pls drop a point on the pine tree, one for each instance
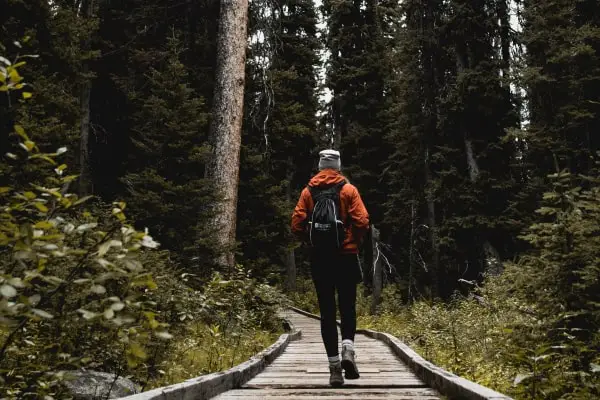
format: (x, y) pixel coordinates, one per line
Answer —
(477, 110)
(165, 181)
(450, 170)
(55, 34)
(279, 135)
(359, 61)
(133, 35)
(411, 131)
(562, 80)
(559, 277)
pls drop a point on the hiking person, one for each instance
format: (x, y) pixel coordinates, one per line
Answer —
(330, 216)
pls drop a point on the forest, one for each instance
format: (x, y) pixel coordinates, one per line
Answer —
(146, 195)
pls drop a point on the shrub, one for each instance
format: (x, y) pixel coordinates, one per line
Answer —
(74, 291)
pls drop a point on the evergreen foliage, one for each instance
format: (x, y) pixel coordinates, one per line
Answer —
(280, 131)
(559, 276)
(358, 39)
(165, 171)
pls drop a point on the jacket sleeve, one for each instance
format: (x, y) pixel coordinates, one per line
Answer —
(359, 215)
(300, 214)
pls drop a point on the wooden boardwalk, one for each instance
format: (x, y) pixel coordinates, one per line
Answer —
(302, 372)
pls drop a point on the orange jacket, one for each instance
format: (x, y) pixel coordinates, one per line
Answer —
(352, 209)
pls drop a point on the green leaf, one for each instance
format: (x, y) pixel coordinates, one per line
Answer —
(8, 291)
(43, 225)
(42, 313)
(16, 282)
(87, 314)
(82, 200)
(520, 378)
(98, 289)
(41, 207)
(163, 335)
(21, 132)
(137, 350)
(109, 313)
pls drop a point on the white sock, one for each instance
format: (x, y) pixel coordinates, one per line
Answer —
(349, 343)
(334, 360)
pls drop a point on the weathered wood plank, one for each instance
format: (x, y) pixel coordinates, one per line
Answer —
(302, 372)
(320, 392)
(324, 383)
(351, 394)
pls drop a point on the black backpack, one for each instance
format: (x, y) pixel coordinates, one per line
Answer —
(325, 226)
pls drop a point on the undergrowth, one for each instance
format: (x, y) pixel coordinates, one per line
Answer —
(205, 349)
(470, 337)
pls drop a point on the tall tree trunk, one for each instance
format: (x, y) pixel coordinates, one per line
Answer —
(430, 131)
(85, 174)
(226, 126)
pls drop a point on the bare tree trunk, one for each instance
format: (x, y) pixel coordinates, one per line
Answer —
(431, 86)
(471, 162)
(226, 126)
(433, 234)
(367, 271)
(85, 174)
(377, 272)
(289, 257)
(411, 250)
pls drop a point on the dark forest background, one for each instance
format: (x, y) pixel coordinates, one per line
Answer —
(470, 128)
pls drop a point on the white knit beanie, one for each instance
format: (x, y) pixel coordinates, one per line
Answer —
(329, 159)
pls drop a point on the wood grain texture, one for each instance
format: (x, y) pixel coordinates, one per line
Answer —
(226, 125)
(302, 372)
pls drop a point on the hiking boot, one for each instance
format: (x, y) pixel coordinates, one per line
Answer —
(348, 363)
(335, 375)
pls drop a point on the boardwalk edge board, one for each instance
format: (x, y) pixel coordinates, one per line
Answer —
(207, 386)
(438, 378)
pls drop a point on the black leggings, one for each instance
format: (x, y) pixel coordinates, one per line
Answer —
(331, 274)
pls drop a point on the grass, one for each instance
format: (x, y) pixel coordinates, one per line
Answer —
(205, 349)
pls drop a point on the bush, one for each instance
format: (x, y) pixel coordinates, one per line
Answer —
(470, 337)
(237, 317)
(62, 267)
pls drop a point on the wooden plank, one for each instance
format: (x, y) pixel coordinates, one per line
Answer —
(291, 375)
(302, 372)
(337, 396)
(324, 383)
(324, 380)
(335, 392)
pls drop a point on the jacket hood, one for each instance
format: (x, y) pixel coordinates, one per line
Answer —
(326, 177)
